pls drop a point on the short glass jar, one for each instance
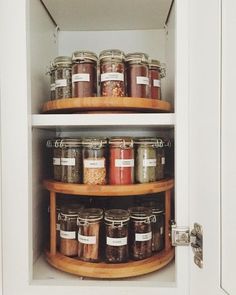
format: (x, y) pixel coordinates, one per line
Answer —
(71, 160)
(112, 71)
(55, 144)
(62, 77)
(160, 171)
(117, 229)
(94, 161)
(140, 232)
(84, 74)
(155, 79)
(52, 81)
(121, 160)
(137, 75)
(89, 234)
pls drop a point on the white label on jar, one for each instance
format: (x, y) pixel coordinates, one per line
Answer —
(124, 163)
(143, 237)
(117, 241)
(58, 226)
(61, 83)
(90, 240)
(70, 235)
(163, 160)
(112, 77)
(156, 83)
(68, 161)
(149, 162)
(80, 78)
(94, 163)
(161, 230)
(142, 80)
(53, 86)
(56, 161)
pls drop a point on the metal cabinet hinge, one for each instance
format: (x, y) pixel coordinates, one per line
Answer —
(181, 236)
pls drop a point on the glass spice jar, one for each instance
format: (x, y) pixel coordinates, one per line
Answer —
(62, 77)
(117, 227)
(89, 234)
(121, 160)
(84, 74)
(52, 81)
(140, 232)
(137, 75)
(112, 71)
(94, 161)
(160, 169)
(155, 79)
(56, 157)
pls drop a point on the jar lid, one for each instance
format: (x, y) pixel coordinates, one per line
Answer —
(116, 215)
(140, 213)
(155, 142)
(156, 207)
(55, 142)
(70, 210)
(62, 60)
(121, 142)
(90, 214)
(94, 142)
(83, 55)
(154, 63)
(137, 58)
(70, 142)
(112, 54)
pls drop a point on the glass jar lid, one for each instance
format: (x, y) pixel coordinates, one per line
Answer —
(62, 61)
(70, 142)
(117, 215)
(156, 207)
(121, 142)
(90, 214)
(94, 142)
(154, 63)
(140, 213)
(112, 54)
(78, 56)
(153, 141)
(137, 58)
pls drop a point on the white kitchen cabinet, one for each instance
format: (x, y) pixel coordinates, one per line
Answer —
(191, 46)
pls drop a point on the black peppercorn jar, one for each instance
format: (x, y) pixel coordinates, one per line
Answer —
(62, 77)
(112, 70)
(89, 234)
(84, 74)
(140, 232)
(155, 79)
(117, 228)
(137, 75)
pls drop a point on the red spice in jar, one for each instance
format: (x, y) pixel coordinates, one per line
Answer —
(154, 78)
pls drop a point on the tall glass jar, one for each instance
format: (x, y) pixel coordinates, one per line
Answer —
(71, 160)
(89, 234)
(112, 71)
(117, 227)
(140, 232)
(52, 81)
(121, 161)
(160, 171)
(155, 79)
(84, 74)
(62, 77)
(137, 75)
(55, 144)
(94, 161)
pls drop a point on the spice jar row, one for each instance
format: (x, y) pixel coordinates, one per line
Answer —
(113, 74)
(114, 161)
(114, 235)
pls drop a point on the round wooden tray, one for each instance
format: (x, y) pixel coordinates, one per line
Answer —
(110, 271)
(106, 104)
(109, 190)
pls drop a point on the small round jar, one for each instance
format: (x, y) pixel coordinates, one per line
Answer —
(155, 79)
(146, 160)
(84, 74)
(112, 71)
(52, 81)
(121, 161)
(62, 77)
(140, 232)
(94, 161)
(89, 234)
(55, 144)
(71, 160)
(117, 228)
(137, 75)
(160, 171)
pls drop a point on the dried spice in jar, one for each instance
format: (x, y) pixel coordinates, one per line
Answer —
(160, 171)
(94, 161)
(52, 81)
(84, 74)
(112, 71)
(155, 79)
(71, 160)
(56, 157)
(62, 77)
(137, 75)
(117, 227)
(89, 234)
(140, 232)
(121, 161)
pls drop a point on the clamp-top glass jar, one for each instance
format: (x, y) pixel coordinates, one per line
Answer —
(84, 74)
(137, 75)
(89, 234)
(112, 70)
(160, 171)
(94, 161)
(116, 249)
(52, 81)
(121, 161)
(155, 79)
(55, 144)
(62, 77)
